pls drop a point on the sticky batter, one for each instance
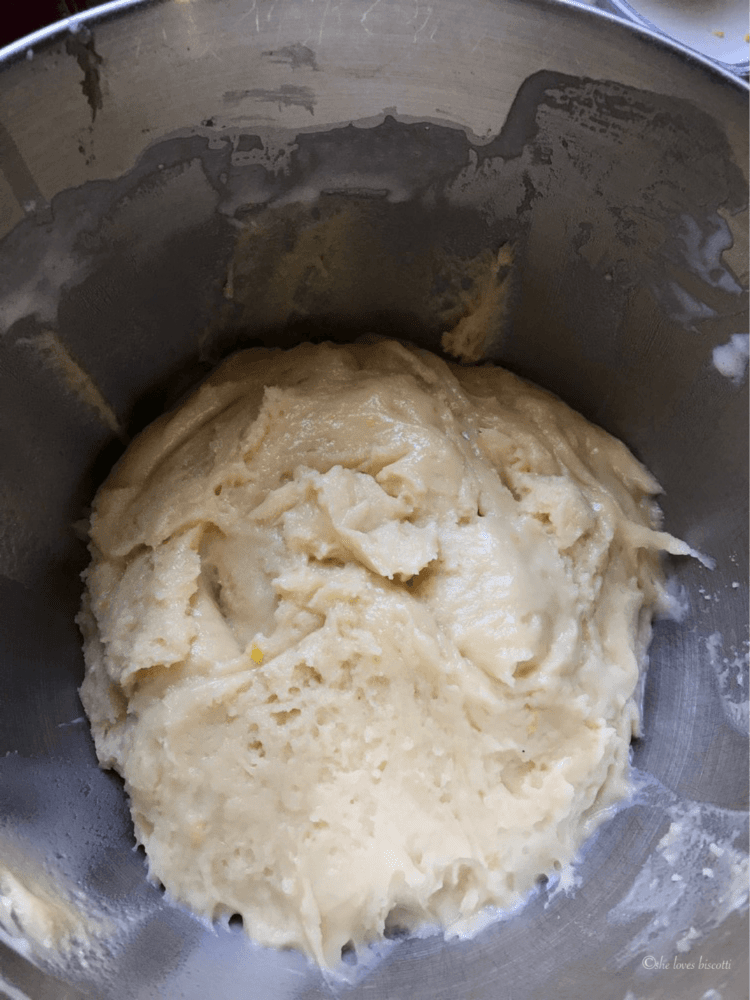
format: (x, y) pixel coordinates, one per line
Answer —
(363, 632)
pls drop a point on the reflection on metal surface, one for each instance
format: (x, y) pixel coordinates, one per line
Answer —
(55, 354)
(16, 171)
(717, 30)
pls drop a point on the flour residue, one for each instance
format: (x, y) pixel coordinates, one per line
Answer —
(566, 882)
(731, 669)
(56, 838)
(691, 882)
(704, 247)
(675, 601)
(43, 915)
(731, 359)
(39, 294)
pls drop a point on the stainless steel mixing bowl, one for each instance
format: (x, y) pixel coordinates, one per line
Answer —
(180, 178)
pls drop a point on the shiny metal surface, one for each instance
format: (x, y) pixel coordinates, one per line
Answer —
(716, 31)
(171, 176)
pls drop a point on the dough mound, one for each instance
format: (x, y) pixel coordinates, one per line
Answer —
(363, 634)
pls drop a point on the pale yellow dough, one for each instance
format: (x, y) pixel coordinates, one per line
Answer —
(447, 577)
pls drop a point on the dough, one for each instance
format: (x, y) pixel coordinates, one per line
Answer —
(363, 632)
